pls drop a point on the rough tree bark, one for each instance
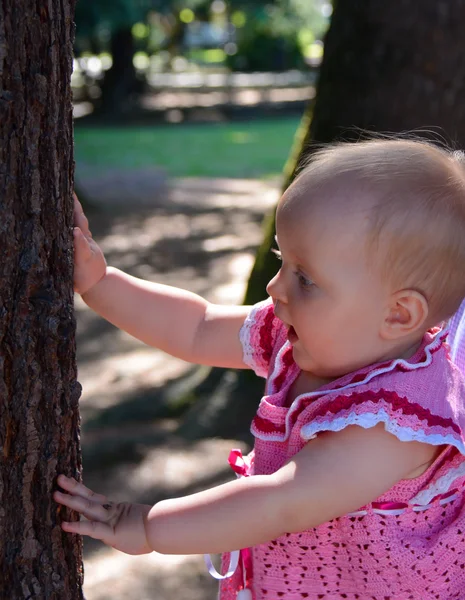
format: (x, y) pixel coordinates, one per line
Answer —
(39, 419)
(387, 67)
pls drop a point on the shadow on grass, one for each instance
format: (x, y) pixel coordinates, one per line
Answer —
(143, 405)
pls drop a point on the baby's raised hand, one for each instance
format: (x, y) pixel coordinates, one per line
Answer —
(120, 525)
(89, 262)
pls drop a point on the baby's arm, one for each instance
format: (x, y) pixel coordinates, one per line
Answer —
(334, 474)
(171, 319)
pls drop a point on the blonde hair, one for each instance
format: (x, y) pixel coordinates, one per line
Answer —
(414, 193)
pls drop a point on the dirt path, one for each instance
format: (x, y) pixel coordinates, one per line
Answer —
(198, 234)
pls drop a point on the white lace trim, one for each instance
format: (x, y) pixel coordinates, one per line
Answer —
(429, 348)
(249, 351)
(367, 420)
(441, 486)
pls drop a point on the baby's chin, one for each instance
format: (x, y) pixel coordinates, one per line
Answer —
(331, 373)
(326, 374)
(317, 377)
(314, 369)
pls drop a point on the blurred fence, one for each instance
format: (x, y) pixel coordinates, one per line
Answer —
(187, 90)
(241, 89)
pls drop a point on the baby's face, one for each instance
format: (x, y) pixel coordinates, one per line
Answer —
(325, 292)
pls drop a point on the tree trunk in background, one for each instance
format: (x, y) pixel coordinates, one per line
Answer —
(39, 419)
(392, 66)
(120, 86)
(387, 67)
(266, 265)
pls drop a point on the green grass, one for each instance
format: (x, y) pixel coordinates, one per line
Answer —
(248, 149)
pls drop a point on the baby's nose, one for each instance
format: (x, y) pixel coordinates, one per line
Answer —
(271, 285)
(275, 289)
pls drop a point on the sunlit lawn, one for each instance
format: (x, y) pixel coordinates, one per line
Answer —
(245, 149)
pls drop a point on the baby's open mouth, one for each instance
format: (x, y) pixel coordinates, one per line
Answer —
(292, 335)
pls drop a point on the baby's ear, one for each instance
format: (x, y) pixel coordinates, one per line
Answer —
(406, 314)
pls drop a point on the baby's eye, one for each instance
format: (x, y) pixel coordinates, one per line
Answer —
(304, 282)
(277, 253)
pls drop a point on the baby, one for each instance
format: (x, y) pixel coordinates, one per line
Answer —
(356, 486)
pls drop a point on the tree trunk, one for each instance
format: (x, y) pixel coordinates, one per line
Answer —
(39, 419)
(120, 88)
(266, 265)
(387, 67)
(392, 66)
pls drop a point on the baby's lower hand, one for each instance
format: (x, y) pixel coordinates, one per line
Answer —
(89, 262)
(120, 525)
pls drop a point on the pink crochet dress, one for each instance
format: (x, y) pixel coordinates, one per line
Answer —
(409, 544)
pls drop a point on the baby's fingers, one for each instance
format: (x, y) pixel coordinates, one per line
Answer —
(82, 249)
(93, 529)
(84, 506)
(80, 219)
(76, 488)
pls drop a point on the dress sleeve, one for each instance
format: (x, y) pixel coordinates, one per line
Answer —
(417, 399)
(432, 416)
(457, 338)
(258, 337)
